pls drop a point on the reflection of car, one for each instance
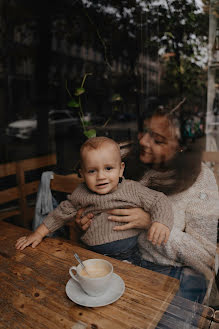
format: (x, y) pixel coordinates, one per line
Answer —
(22, 128)
(60, 119)
(124, 117)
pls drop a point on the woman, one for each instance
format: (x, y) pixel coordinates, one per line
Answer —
(166, 163)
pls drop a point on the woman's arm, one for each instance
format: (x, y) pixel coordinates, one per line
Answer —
(196, 246)
(185, 249)
(202, 212)
(132, 217)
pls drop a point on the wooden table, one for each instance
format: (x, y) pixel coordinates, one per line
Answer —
(32, 293)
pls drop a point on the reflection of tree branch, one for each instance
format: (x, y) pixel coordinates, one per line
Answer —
(178, 105)
(168, 5)
(101, 40)
(171, 15)
(66, 86)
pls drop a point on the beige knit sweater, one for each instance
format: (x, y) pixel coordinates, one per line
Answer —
(128, 194)
(193, 239)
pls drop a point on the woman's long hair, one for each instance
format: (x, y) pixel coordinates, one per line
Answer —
(174, 176)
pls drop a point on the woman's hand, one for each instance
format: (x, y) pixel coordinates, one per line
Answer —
(133, 217)
(83, 222)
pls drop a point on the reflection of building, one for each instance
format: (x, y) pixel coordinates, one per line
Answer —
(151, 73)
(212, 115)
(68, 61)
(145, 67)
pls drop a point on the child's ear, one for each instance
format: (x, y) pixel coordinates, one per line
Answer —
(122, 167)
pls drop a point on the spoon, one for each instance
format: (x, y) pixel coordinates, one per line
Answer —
(80, 262)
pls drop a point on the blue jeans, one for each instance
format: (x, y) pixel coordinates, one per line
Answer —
(126, 249)
(193, 287)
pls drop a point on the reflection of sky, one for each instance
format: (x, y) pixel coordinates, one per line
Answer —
(111, 10)
(199, 3)
(163, 2)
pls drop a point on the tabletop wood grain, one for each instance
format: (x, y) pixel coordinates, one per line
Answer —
(33, 284)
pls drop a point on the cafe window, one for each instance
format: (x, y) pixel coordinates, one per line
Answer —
(70, 70)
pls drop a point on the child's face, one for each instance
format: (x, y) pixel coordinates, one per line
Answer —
(101, 168)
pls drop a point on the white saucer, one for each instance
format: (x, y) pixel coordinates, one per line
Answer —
(77, 294)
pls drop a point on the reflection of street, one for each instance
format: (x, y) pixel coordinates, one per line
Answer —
(68, 146)
(121, 131)
(14, 149)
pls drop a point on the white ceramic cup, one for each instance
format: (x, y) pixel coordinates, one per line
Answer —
(98, 281)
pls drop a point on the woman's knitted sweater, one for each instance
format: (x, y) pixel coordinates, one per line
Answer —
(193, 239)
(129, 194)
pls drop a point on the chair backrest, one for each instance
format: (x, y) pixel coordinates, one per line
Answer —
(66, 185)
(212, 159)
(21, 187)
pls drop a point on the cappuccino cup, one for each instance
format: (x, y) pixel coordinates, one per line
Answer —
(95, 280)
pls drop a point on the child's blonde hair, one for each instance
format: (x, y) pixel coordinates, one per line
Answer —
(97, 142)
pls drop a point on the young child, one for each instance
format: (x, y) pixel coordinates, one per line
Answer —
(105, 188)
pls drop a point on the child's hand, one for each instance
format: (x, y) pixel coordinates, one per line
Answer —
(158, 233)
(33, 239)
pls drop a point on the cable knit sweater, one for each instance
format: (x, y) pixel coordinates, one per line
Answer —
(128, 194)
(193, 239)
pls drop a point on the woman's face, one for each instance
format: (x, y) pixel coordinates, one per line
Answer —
(158, 142)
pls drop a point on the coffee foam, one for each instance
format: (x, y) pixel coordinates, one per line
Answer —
(95, 271)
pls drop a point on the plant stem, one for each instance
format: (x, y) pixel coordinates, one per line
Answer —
(84, 79)
(66, 86)
(106, 123)
(101, 40)
(81, 114)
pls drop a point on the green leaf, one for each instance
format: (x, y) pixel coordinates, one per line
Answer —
(73, 103)
(169, 34)
(87, 123)
(115, 109)
(90, 133)
(79, 91)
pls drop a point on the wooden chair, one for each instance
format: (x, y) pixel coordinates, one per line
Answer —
(14, 200)
(66, 185)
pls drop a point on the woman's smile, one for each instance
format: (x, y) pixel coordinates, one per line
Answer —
(145, 151)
